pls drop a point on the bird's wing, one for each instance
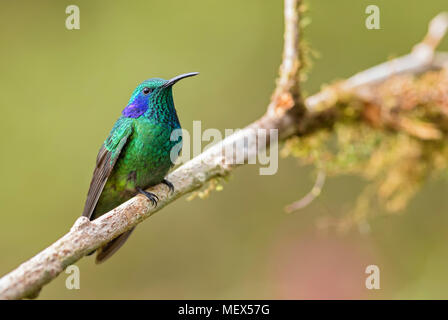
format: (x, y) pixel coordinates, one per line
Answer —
(105, 161)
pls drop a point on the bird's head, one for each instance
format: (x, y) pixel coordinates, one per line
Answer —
(152, 93)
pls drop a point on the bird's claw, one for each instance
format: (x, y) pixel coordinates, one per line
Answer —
(151, 196)
(169, 184)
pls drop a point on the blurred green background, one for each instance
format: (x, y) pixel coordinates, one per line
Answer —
(62, 90)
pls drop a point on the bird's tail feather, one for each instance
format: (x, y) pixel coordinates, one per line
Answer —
(106, 251)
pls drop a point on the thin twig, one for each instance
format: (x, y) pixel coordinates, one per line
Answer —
(422, 58)
(310, 196)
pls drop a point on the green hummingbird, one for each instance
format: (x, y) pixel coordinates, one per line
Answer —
(136, 155)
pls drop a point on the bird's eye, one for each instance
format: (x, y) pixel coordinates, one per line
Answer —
(147, 90)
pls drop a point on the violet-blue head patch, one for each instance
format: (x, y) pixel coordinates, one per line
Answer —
(152, 97)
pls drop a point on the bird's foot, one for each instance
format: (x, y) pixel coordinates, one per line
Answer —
(151, 196)
(169, 184)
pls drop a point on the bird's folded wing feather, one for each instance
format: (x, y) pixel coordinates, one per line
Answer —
(105, 161)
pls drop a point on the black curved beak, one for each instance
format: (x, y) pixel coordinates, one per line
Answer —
(179, 77)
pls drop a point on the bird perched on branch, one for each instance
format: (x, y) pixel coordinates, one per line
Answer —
(136, 155)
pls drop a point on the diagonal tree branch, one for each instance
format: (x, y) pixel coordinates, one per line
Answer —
(286, 113)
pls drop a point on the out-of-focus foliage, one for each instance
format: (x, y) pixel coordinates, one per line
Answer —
(396, 160)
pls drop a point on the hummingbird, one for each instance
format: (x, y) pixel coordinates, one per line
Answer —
(136, 154)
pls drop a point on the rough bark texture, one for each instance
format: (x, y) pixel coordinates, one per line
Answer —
(287, 113)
